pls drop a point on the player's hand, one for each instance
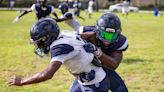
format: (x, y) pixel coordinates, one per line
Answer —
(16, 19)
(15, 81)
(91, 48)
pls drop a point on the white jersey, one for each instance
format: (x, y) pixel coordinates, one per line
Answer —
(72, 22)
(69, 50)
(125, 7)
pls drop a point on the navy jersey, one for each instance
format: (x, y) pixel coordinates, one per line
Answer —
(68, 15)
(42, 12)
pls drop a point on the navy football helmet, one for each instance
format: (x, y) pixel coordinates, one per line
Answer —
(43, 33)
(108, 29)
(42, 2)
(64, 7)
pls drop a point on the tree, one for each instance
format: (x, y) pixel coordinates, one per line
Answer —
(156, 2)
(1, 2)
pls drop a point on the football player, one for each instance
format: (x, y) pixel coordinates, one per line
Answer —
(67, 49)
(68, 17)
(77, 7)
(125, 8)
(41, 9)
(107, 36)
(90, 8)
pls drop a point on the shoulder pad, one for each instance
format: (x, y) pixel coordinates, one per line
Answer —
(61, 49)
(68, 15)
(123, 43)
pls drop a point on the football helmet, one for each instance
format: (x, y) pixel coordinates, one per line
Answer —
(63, 7)
(42, 2)
(43, 33)
(108, 28)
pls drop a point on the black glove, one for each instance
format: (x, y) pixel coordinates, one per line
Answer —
(91, 48)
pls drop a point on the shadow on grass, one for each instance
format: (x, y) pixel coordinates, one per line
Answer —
(138, 60)
(133, 60)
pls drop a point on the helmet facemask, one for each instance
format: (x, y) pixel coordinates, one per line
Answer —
(107, 35)
(40, 48)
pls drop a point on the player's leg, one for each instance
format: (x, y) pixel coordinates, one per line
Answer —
(103, 86)
(116, 83)
(78, 15)
(75, 87)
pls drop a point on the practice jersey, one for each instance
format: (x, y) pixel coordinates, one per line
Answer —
(120, 45)
(68, 49)
(72, 22)
(42, 12)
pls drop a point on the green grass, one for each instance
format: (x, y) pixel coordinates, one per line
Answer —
(142, 67)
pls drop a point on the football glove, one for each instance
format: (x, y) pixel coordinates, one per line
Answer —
(91, 48)
(16, 19)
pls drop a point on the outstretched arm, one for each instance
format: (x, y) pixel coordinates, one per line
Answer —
(22, 14)
(54, 13)
(39, 77)
(61, 19)
(25, 12)
(66, 16)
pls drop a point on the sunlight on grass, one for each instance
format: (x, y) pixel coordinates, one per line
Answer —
(142, 66)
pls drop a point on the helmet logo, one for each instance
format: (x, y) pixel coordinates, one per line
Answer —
(101, 22)
(110, 30)
(44, 8)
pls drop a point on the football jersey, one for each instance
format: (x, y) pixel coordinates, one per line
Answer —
(72, 22)
(42, 12)
(68, 49)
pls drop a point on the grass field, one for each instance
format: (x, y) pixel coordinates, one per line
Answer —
(142, 67)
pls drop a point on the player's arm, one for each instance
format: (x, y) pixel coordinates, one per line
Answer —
(111, 61)
(39, 77)
(61, 19)
(25, 12)
(67, 16)
(89, 37)
(32, 8)
(22, 14)
(53, 12)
